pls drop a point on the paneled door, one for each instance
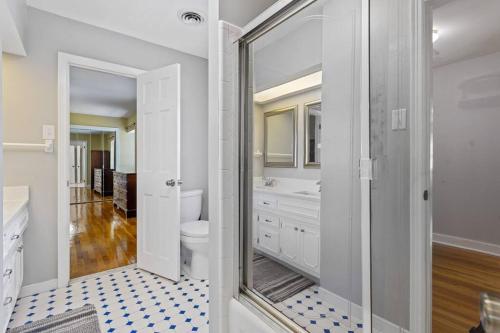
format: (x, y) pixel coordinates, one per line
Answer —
(289, 240)
(310, 247)
(158, 171)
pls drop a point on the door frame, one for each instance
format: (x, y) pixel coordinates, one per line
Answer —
(65, 62)
(420, 117)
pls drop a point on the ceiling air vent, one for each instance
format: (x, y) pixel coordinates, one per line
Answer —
(191, 18)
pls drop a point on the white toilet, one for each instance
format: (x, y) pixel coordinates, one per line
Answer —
(194, 236)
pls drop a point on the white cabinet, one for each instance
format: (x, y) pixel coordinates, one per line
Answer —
(288, 229)
(12, 263)
(289, 240)
(310, 248)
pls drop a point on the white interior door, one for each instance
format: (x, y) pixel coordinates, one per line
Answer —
(158, 171)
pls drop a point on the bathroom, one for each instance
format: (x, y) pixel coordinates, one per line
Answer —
(283, 175)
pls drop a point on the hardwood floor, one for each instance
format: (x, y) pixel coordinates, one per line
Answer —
(100, 238)
(83, 195)
(459, 276)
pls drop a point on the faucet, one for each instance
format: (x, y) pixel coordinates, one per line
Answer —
(268, 181)
(319, 184)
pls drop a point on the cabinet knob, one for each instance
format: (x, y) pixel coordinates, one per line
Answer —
(7, 301)
(301, 230)
(296, 228)
(15, 237)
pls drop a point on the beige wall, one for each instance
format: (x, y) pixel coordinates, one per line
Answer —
(30, 95)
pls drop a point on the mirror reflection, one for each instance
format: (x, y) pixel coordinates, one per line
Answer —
(280, 129)
(301, 222)
(312, 134)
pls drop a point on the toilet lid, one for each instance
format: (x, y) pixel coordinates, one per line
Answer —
(195, 228)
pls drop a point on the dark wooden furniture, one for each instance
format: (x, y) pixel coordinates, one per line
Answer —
(100, 159)
(125, 192)
(103, 181)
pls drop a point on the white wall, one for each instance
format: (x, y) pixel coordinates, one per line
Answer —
(223, 164)
(299, 172)
(1, 163)
(240, 12)
(284, 59)
(466, 185)
(30, 87)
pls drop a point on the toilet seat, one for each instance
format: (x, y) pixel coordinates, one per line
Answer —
(195, 229)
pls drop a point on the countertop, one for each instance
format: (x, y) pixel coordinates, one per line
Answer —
(15, 199)
(307, 194)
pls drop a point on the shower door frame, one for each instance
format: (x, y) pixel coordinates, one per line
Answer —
(244, 294)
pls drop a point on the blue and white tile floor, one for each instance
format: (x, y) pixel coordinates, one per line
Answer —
(315, 315)
(128, 300)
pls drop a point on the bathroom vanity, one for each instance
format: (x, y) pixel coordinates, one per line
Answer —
(15, 221)
(287, 224)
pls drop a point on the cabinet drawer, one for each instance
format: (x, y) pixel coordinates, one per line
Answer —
(268, 219)
(14, 231)
(300, 208)
(269, 239)
(265, 202)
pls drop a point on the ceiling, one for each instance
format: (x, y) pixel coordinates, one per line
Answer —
(241, 12)
(102, 94)
(467, 29)
(150, 20)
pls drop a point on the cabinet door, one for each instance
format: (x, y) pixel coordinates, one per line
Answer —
(289, 240)
(255, 230)
(19, 266)
(310, 247)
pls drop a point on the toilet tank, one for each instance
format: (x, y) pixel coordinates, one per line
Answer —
(191, 205)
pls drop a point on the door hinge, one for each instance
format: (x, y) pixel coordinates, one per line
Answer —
(258, 240)
(366, 168)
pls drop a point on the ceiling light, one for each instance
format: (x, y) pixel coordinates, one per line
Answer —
(435, 35)
(292, 87)
(190, 17)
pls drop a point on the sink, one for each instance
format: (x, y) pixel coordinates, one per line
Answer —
(311, 193)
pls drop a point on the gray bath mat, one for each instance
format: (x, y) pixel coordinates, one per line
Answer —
(81, 320)
(275, 281)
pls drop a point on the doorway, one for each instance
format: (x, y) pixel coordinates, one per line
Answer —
(102, 167)
(466, 113)
(130, 187)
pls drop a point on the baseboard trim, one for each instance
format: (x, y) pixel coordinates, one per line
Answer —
(468, 244)
(380, 325)
(37, 288)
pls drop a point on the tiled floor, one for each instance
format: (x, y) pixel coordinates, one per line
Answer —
(315, 315)
(129, 300)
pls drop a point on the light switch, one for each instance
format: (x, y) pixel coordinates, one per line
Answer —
(395, 120)
(49, 132)
(402, 119)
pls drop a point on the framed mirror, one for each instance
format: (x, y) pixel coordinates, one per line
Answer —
(312, 134)
(280, 138)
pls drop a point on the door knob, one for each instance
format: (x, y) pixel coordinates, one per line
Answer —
(173, 182)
